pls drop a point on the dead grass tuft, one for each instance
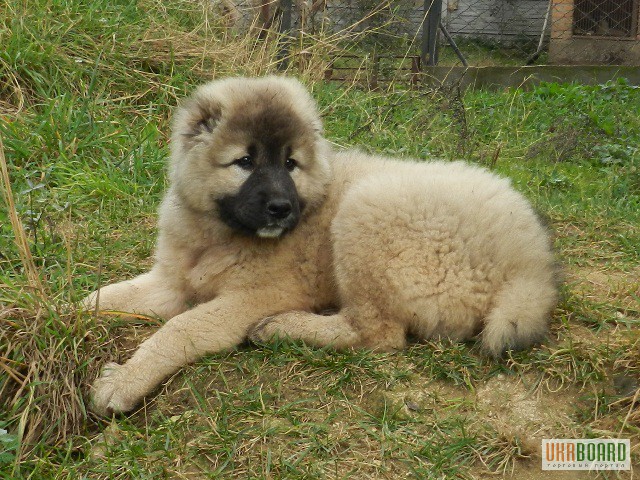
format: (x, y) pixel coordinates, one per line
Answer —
(12, 99)
(45, 350)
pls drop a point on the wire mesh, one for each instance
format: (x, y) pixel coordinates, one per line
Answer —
(485, 32)
(605, 18)
(600, 32)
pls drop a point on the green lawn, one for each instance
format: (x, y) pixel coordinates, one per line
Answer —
(86, 91)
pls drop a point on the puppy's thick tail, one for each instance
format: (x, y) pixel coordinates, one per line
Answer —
(520, 314)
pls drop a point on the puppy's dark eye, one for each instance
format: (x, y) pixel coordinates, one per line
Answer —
(290, 164)
(246, 162)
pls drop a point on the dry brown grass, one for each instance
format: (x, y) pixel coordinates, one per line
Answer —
(11, 97)
(46, 367)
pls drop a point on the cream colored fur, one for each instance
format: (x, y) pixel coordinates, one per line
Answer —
(432, 249)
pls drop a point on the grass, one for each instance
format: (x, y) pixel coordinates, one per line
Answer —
(85, 97)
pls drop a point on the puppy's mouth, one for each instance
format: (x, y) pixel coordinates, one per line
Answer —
(278, 228)
(270, 232)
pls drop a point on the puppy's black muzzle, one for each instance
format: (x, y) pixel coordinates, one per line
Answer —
(267, 199)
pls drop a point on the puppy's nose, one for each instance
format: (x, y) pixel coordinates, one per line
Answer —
(279, 208)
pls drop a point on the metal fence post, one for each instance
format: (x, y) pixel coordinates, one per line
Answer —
(430, 26)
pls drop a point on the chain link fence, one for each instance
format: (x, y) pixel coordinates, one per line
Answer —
(408, 35)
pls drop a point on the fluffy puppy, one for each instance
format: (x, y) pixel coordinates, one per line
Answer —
(264, 226)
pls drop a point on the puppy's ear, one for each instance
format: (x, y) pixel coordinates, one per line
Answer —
(195, 119)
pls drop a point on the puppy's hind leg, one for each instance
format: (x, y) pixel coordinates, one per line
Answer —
(338, 331)
(313, 329)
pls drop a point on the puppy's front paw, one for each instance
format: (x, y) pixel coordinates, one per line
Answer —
(113, 392)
